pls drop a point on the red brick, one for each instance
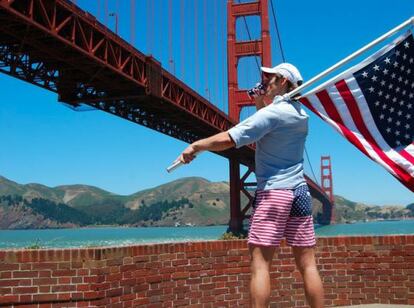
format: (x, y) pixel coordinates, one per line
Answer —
(64, 288)
(355, 270)
(25, 274)
(61, 273)
(9, 299)
(45, 281)
(180, 275)
(9, 282)
(154, 279)
(44, 297)
(49, 265)
(64, 280)
(24, 290)
(5, 291)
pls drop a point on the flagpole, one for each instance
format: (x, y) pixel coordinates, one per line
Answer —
(350, 57)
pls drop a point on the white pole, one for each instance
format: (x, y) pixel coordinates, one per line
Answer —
(177, 163)
(174, 166)
(349, 58)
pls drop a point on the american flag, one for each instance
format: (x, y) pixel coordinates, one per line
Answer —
(372, 105)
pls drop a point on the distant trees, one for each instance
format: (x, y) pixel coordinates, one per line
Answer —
(411, 208)
(344, 213)
(156, 210)
(58, 211)
(55, 211)
(11, 200)
(108, 211)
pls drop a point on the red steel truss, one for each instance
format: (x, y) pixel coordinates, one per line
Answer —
(238, 98)
(327, 186)
(55, 45)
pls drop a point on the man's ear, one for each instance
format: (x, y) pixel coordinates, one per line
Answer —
(273, 79)
(285, 82)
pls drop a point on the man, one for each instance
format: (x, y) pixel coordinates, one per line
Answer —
(282, 205)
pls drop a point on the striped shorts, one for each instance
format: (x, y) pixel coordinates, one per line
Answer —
(279, 213)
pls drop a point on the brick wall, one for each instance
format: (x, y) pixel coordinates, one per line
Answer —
(355, 270)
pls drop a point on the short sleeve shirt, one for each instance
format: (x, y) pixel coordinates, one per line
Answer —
(280, 131)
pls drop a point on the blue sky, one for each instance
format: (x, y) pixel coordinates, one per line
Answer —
(46, 142)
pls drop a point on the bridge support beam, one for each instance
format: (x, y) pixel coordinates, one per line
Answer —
(236, 218)
(239, 188)
(327, 186)
(238, 98)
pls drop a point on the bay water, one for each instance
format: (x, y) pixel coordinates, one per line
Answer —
(122, 236)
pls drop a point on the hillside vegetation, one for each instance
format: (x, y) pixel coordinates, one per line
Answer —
(187, 201)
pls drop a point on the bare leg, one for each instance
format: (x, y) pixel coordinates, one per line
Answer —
(305, 261)
(261, 259)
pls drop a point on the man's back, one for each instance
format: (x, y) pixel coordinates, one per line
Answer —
(279, 154)
(280, 131)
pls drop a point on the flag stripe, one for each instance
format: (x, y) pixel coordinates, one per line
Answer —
(307, 103)
(359, 141)
(333, 113)
(359, 122)
(314, 105)
(328, 112)
(348, 122)
(410, 149)
(407, 156)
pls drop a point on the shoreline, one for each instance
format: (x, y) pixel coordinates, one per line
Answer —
(200, 226)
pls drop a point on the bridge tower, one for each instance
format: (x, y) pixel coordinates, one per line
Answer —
(327, 186)
(238, 98)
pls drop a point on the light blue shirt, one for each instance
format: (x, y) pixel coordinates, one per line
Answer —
(280, 131)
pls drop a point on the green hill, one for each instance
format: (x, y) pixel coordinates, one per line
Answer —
(193, 200)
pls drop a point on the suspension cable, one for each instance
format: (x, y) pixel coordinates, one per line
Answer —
(310, 165)
(277, 31)
(284, 60)
(182, 38)
(170, 38)
(132, 22)
(98, 13)
(224, 77)
(215, 44)
(196, 46)
(206, 87)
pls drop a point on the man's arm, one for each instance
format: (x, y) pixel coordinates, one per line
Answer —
(219, 142)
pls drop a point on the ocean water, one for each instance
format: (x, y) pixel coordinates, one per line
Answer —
(90, 237)
(106, 236)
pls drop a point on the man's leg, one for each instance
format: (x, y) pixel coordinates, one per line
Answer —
(267, 225)
(305, 261)
(261, 259)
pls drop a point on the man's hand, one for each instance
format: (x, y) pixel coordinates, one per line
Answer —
(187, 155)
(218, 142)
(257, 91)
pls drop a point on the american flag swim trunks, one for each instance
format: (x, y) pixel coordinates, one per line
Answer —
(279, 213)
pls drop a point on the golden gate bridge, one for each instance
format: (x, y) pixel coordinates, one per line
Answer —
(56, 45)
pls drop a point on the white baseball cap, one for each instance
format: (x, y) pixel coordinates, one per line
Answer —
(287, 70)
